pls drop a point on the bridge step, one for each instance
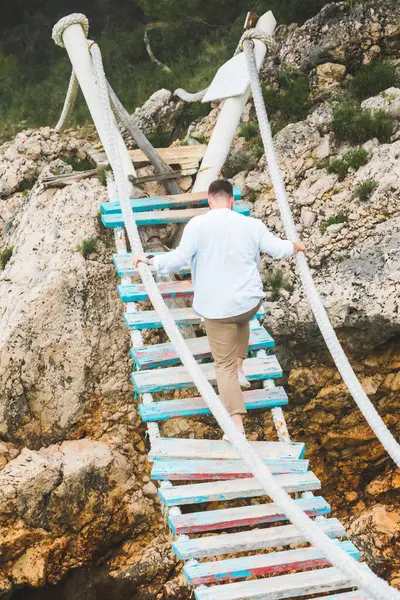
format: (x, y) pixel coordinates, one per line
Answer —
(276, 588)
(177, 378)
(160, 355)
(169, 289)
(254, 539)
(160, 202)
(253, 399)
(355, 595)
(163, 217)
(148, 319)
(258, 565)
(197, 470)
(218, 491)
(124, 265)
(243, 516)
(218, 449)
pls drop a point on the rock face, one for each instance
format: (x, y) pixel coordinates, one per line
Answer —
(159, 113)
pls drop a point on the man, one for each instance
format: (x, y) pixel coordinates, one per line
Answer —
(223, 248)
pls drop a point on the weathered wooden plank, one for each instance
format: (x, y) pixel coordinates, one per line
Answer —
(162, 355)
(218, 449)
(124, 265)
(163, 217)
(160, 202)
(175, 155)
(137, 292)
(276, 588)
(243, 516)
(198, 470)
(260, 565)
(177, 378)
(148, 319)
(354, 595)
(253, 539)
(169, 409)
(218, 491)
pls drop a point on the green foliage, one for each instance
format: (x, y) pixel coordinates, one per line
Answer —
(353, 159)
(102, 177)
(237, 161)
(351, 123)
(249, 130)
(334, 220)
(276, 282)
(365, 189)
(88, 246)
(77, 164)
(26, 185)
(289, 103)
(373, 78)
(5, 256)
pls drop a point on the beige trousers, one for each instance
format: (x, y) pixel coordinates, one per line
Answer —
(229, 340)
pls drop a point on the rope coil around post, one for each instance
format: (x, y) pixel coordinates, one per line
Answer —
(358, 574)
(65, 22)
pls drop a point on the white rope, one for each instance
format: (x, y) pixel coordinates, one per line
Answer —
(69, 102)
(365, 405)
(358, 574)
(63, 24)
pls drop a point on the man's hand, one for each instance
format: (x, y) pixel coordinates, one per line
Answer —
(299, 247)
(141, 257)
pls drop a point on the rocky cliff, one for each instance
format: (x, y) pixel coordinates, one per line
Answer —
(76, 502)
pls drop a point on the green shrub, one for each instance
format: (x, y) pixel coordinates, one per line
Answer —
(249, 130)
(289, 103)
(334, 220)
(339, 167)
(353, 159)
(277, 281)
(77, 164)
(88, 246)
(366, 189)
(5, 256)
(373, 78)
(26, 185)
(102, 177)
(351, 123)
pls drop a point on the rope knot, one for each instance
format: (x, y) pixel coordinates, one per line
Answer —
(257, 34)
(65, 22)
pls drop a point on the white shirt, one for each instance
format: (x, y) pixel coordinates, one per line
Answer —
(223, 248)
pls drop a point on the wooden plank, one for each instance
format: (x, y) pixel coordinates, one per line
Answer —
(172, 156)
(260, 565)
(218, 491)
(253, 539)
(124, 265)
(276, 588)
(177, 378)
(162, 355)
(218, 449)
(198, 470)
(137, 292)
(161, 202)
(243, 516)
(148, 319)
(169, 409)
(354, 595)
(164, 217)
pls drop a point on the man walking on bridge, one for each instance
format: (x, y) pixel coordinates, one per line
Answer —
(223, 248)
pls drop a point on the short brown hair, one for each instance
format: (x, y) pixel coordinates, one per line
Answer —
(221, 186)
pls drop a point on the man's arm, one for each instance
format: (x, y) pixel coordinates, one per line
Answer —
(275, 246)
(174, 260)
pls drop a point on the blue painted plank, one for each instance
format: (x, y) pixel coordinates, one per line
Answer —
(258, 565)
(162, 355)
(250, 540)
(169, 409)
(137, 292)
(198, 470)
(148, 319)
(220, 491)
(242, 516)
(161, 202)
(124, 265)
(177, 378)
(164, 217)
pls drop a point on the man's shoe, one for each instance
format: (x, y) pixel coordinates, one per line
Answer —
(243, 381)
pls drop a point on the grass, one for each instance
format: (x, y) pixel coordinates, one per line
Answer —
(353, 159)
(26, 185)
(352, 124)
(102, 177)
(377, 76)
(88, 246)
(334, 220)
(249, 131)
(365, 189)
(5, 256)
(77, 164)
(290, 101)
(276, 282)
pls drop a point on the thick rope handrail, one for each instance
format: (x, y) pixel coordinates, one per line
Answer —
(358, 574)
(69, 102)
(360, 397)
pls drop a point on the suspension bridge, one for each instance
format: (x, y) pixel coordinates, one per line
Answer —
(272, 537)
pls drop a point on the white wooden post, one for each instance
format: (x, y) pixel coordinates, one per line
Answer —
(229, 119)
